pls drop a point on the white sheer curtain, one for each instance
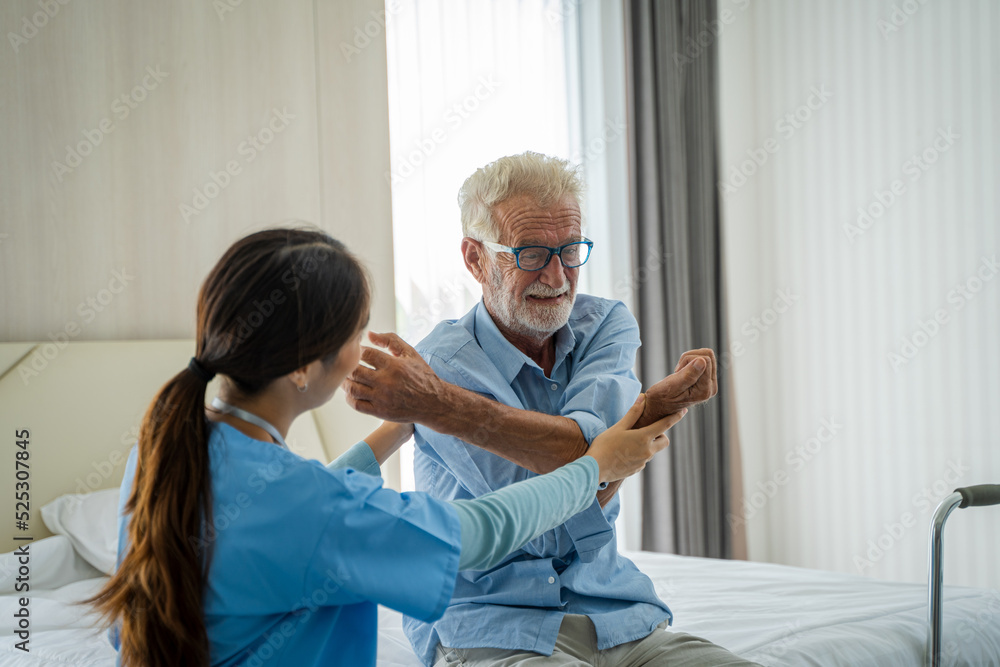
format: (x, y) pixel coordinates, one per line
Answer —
(468, 83)
(859, 187)
(473, 81)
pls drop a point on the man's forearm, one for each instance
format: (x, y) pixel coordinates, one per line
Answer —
(400, 386)
(539, 442)
(656, 409)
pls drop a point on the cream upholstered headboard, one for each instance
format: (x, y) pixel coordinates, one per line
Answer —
(82, 405)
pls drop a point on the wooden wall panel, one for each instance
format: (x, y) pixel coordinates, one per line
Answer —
(116, 112)
(353, 113)
(249, 116)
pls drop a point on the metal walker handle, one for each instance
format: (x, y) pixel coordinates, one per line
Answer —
(969, 496)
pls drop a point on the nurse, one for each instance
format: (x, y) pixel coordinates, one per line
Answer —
(235, 551)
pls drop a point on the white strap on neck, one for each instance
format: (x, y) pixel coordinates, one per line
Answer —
(248, 417)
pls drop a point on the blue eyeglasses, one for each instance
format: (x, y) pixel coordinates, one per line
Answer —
(537, 257)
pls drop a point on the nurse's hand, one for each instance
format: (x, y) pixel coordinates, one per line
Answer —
(623, 450)
(400, 386)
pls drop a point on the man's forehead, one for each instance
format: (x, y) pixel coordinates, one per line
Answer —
(523, 220)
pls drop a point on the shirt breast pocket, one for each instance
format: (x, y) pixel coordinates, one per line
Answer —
(555, 543)
(426, 473)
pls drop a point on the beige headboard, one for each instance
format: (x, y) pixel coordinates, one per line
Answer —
(82, 405)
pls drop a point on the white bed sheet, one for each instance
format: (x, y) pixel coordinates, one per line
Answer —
(784, 616)
(63, 634)
(779, 615)
(776, 615)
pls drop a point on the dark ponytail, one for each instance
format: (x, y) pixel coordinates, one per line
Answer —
(276, 301)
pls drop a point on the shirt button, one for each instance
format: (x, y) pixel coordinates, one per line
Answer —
(554, 386)
(552, 580)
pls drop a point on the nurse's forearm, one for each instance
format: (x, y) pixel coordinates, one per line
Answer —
(387, 439)
(495, 524)
(373, 451)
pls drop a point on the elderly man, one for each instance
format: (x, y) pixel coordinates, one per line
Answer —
(519, 386)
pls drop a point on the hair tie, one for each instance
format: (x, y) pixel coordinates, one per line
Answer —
(195, 367)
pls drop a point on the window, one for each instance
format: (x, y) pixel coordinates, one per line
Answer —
(472, 82)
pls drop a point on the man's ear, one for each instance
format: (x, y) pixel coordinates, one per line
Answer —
(474, 255)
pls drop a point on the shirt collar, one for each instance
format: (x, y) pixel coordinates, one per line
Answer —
(505, 356)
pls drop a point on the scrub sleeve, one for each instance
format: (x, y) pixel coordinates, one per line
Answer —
(497, 523)
(400, 550)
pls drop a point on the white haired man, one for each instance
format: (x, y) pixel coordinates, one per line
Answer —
(520, 386)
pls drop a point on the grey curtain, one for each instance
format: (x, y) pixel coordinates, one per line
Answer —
(675, 229)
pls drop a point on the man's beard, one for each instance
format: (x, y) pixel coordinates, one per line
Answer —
(526, 317)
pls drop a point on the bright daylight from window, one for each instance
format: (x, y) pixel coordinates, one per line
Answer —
(533, 82)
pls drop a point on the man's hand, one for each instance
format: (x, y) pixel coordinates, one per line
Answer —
(400, 386)
(693, 381)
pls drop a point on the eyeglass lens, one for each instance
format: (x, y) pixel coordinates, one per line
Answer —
(572, 255)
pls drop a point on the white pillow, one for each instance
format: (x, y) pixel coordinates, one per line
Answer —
(54, 563)
(90, 521)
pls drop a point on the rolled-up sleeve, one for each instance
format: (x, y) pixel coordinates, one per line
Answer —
(600, 392)
(476, 469)
(360, 457)
(603, 386)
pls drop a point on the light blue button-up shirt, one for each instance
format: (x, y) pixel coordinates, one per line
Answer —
(576, 568)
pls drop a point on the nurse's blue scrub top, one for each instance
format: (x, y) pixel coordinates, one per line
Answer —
(303, 554)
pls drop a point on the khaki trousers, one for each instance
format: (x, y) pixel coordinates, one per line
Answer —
(576, 646)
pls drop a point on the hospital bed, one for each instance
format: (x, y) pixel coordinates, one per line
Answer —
(83, 403)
